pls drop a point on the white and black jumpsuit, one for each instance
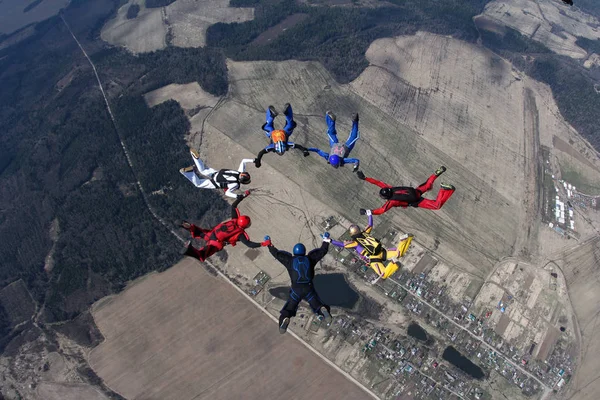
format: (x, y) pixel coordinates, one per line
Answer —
(209, 178)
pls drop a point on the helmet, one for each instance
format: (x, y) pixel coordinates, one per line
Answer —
(354, 230)
(386, 193)
(335, 160)
(243, 221)
(299, 249)
(280, 147)
(244, 178)
(279, 139)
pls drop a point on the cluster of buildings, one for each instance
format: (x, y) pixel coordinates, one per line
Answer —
(458, 327)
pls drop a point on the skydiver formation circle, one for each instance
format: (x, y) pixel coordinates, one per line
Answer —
(299, 264)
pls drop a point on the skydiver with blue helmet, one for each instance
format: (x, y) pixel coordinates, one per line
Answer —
(279, 138)
(339, 152)
(301, 268)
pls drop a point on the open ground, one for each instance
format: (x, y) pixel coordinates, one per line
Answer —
(186, 334)
(550, 22)
(182, 23)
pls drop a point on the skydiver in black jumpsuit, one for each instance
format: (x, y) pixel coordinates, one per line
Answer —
(301, 268)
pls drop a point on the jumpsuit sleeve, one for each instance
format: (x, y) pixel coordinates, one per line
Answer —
(317, 254)
(262, 153)
(245, 161)
(319, 152)
(354, 161)
(234, 210)
(282, 256)
(369, 227)
(378, 183)
(385, 207)
(350, 245)
(244, 238)
(337, 243)
(230, 188)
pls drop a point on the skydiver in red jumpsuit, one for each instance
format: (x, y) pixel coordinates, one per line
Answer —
(404, 196)
(228, 232)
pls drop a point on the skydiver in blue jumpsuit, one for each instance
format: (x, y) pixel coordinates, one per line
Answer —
(338, 153)
(301, 268)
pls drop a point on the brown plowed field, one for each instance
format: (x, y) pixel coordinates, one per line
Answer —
(184, 334)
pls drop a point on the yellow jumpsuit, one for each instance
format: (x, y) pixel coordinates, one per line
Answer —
(372, 249)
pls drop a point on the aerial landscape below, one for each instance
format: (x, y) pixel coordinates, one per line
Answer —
(320, 199)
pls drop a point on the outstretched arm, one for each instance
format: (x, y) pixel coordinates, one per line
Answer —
(292, 145)
(282, 256)
(378, 211)
(317, 254)
(242, 167)
(354, 161)
(320, 152)
(378, 183)
(244, 238)
(260, 155)
(230, 188)
(234, 210)
(370, 224)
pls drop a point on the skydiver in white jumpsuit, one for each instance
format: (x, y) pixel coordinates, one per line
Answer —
(205, 177)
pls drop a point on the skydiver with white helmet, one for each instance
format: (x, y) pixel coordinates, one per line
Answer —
(301, 268)
(339, 152)
(279, 138)
(228, 232)
(204, 177)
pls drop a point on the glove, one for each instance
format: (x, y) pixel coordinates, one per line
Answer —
(305, 153)
(239, 196)
(246, 193)
(361, 175)
(257, 163)
(355, 168)
(365, 212)
(326, 237)
(266, 242)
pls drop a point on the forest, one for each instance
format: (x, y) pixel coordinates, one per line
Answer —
(339, 36)
(61, 156)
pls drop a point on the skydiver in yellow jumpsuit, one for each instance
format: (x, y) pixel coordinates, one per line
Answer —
(371, 249)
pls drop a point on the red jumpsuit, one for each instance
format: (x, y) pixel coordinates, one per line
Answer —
(228, 232)
(404, 196)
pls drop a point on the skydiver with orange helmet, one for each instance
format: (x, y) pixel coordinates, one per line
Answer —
(205, 177)
(404, 196)
(279, 138)
(228, 232)
(339, 152)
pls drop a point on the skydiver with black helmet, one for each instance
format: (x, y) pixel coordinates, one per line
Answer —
(405, 196)
(279, 138)
(204, 177)
(301, 268)
(339, 152)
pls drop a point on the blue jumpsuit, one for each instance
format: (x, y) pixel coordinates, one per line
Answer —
(339, 149)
